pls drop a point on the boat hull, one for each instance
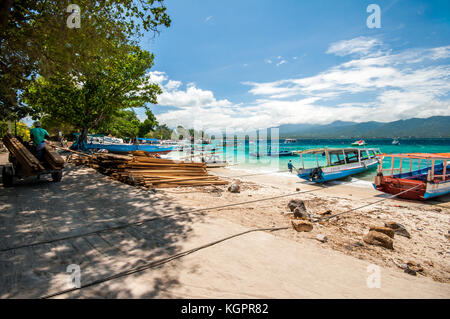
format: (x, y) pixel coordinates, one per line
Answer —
(123, 148)
(420, 188)
(336, 172)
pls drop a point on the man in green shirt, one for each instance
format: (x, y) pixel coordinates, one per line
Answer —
(38, 135)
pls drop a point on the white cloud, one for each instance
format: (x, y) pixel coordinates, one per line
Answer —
(281, 62)
(359, 46)
(269, 61)
(382, 87)
(208, 18)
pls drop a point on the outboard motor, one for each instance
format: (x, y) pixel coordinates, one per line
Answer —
(316, 173)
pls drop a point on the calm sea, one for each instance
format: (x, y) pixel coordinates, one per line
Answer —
(240, 156)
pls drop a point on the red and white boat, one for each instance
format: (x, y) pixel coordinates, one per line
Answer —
(430, 177)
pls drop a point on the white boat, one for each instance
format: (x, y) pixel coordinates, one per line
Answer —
(395, 142)
(290, 141)
(359, 143)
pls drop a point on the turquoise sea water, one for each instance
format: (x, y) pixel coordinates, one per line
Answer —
(239, 155)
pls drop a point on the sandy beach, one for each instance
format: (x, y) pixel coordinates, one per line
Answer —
(427, 222)
(263, 264)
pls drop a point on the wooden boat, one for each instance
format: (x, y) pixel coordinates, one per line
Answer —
(359, 143)
(430, 179)
(341, 162)
(96, 144)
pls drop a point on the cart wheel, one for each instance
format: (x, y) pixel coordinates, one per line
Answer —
(57, 176)
(7, 177)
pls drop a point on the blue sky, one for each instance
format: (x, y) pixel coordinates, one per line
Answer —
(251, 64)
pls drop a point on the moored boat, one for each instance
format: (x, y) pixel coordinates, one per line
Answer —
(359, 143)
(395, 142)
(290, 141)
(430, 178)
(341, 162)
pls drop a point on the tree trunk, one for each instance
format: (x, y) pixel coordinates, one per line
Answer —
(82, 138)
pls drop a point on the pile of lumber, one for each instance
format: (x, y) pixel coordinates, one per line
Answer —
(55, 160)
(28, 161)
(150, 172)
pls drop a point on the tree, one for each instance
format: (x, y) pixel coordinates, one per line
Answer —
(124, 124)
(35, 40)
(161, 132)
(148, 125)
(92, 98)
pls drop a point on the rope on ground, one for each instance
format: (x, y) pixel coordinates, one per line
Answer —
(125, 225)
(160, 262)
(370, 204)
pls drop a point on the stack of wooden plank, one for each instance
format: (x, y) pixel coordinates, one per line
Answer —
(28, 161)
(53, 158)
(151, 172)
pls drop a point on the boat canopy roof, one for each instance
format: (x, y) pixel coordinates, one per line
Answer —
(436, 156)
(147, 139)
(334, 150)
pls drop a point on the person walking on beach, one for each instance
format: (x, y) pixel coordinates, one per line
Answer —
(290, 166)
(38, 135)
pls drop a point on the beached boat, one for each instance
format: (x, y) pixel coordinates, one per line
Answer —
(359, 143)
(341, 162)
(99, 142)
(431, 178)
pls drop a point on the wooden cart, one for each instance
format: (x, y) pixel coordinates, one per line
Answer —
(23, 162)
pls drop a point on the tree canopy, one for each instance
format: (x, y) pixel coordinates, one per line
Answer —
(35, 40)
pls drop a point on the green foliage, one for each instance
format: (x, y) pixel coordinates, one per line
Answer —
(17, 128)
(35, 39)
(91, 99)
(124, 124)
(148, 125)
(160, 132)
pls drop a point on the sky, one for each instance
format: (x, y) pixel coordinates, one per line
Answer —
(250, 64)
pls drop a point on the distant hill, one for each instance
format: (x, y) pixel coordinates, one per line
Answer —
(432, 127)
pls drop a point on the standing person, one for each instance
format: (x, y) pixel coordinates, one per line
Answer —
(290, 166)
(38, 135)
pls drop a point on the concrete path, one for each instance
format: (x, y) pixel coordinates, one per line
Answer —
(254, 265)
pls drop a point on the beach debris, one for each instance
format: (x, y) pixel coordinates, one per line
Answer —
(399, 229)
(302, 225)
(293, 203)
(322, 238)
(385, 230)
(301, 213)
(297, 206)
(327, 212)
(414, 266)
(234, 188)
(378, 239)
(297, 189)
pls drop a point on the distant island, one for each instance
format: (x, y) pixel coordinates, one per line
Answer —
(432, 127)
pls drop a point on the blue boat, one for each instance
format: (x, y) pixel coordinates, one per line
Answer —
(121, 147)
(341, 163)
